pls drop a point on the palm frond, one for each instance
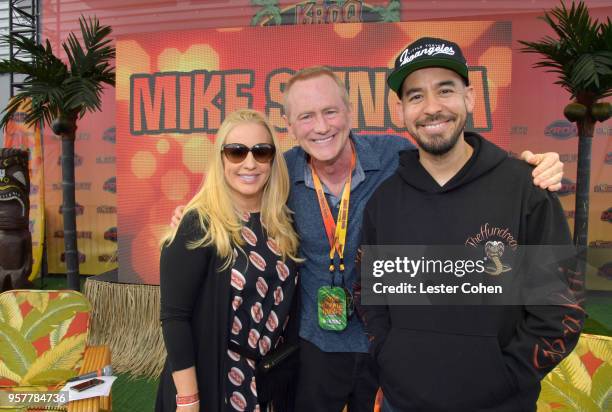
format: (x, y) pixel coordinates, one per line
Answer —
(43, 61)
(76, 54)
(12, 107)
(43, 77)
(583, 72)
(82, 94)
(605, 40)
(55, 88)
(37, 51)
(581, 55)
(92, 58)
(94, 35)
(16, 66)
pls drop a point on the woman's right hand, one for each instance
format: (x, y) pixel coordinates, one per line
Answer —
(176, 217)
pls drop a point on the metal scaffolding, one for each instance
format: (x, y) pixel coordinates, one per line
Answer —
(23, 20)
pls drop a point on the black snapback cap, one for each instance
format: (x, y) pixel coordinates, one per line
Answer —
(427, 52)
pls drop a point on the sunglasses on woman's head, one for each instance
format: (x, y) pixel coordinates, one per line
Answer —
(237, 152)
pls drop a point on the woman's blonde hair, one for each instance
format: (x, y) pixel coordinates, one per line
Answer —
(216, 214)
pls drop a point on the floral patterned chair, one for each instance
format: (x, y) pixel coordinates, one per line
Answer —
(43, 335)
(582, 382)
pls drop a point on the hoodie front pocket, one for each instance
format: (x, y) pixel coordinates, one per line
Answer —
(441, 371)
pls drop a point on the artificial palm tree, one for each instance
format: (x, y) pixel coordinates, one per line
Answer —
(582, 57)
(60, 94)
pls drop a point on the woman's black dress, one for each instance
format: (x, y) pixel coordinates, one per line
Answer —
(262, 286)
(204, 307)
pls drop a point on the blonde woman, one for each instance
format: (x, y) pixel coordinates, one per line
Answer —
(228, 274)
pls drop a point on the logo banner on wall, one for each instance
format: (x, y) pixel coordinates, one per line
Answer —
(20, 136)
(175, 88)
(326, 11)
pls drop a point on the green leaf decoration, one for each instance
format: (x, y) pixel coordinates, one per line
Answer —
(582, 347)
(556, 390)
(38, 300)
(17, 353)
(53, 377)
(601, 349)
(583, 70)
(9, 310)
(543, 406)
(57, 89)
(30, 388)
(574, 372)
(579, 53)
(601, 391)
(13, 409)
(5, 372)
(551, 393)
(37, 324)
(66, 355)
(58, 333)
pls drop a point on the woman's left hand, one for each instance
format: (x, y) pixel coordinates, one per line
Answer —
(189, 408)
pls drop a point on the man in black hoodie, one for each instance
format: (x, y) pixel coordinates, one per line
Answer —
(459, 189)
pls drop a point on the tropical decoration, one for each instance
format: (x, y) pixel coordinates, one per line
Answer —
(269, 10)
(15, 236)
(60, 94)
(271, 14)
(581, 54)
(583, 381)
(43, 336)
(391, 13)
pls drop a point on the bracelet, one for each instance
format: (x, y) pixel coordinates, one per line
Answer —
(187, 404)
(187, 400)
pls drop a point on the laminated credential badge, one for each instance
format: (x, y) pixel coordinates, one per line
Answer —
(331, 303)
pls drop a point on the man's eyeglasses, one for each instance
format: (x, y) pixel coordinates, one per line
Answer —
(237, 152)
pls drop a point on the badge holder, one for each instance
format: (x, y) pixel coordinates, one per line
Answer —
(350, 303)
(331, 305)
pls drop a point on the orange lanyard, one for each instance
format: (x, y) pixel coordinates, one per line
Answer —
(336, 233)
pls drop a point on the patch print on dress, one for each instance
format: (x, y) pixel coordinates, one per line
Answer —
(273, 247)
(278, 295)
(258, 261)
(249, 236)
(261, 291)
(238, 401)
(237, 280)
(272, 322)
(282, 270)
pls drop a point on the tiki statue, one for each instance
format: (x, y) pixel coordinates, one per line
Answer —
(15, 237)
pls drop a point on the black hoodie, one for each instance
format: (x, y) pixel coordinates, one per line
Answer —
(466, 358)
